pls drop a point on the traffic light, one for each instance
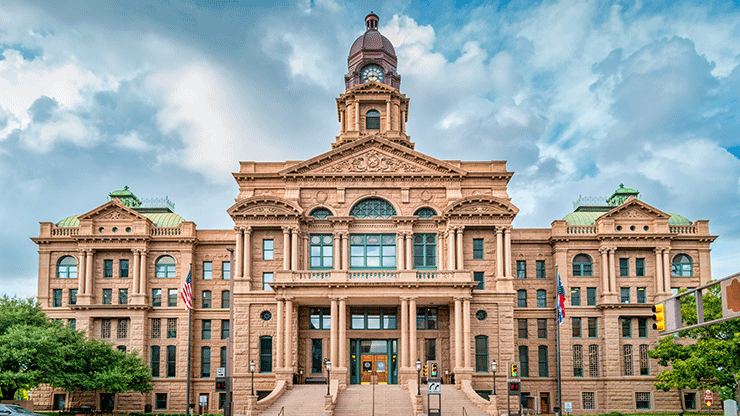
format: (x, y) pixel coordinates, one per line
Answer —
(514, 373)
(709, 402)
(514, 387)
(425, 370)
(221, 384)
(434, 369)
(659, 317)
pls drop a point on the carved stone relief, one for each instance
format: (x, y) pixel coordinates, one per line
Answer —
(373, 161)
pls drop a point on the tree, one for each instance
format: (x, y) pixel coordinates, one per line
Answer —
(702, 358)
(35, 350)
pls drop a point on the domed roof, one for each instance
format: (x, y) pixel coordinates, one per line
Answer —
(372, 40)
(160, 219)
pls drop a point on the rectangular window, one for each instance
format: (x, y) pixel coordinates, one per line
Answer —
(625, 294)
(430, 349)
(577, 360)
(522, 328)
(640, 267)
(225, 299)
(267, 278)
(107, 296)
(425, 251)
(207, 300)
(122, 331)
(225, 328)
(641, 298)
(317, 355)
(592, 328)
(542, 328)
(268, 249)
(576, 327)
(171, 328)
(524, 361)
(221, 400)
(624, 267)
(542, 359)
(207, 270)
(644, 360)
(205, 332)
(588, 400)
(689, 401)
(266, 354)
(73, 323)
(591, 296)
(481, 354)
(160, 401)
(320, 318)
(376, 251)
(172, 298)
(123, 269)
(322, 251)
(171, 360)
(479, 277)
(575, 296)
(73, 296)
(627, 358)
(626, 327)
(205, 362)
(642, 400)
(107, 269)
(57, 298)
(521, 269)
(521, 298)
(540, 268)
(123, 296)
(222, 361)
(477, 249)
(105, 329)
(593, 360)
(226, 270)
(156, 328)
(154, 360)
(541, 298)
(427, 318)
(642, 327)
(156, 297)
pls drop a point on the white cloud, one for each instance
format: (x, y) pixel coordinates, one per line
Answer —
(132, 141)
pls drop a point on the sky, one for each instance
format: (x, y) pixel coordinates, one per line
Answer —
(167, 96)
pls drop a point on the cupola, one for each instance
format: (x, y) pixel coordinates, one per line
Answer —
(372, 58)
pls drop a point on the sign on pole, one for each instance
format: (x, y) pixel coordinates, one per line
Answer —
(708, 396)
(434, 387)
(568, 406)
(221, 372)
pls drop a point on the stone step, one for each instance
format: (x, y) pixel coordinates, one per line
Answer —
(302, 400)
(453, 401)
(357, 400)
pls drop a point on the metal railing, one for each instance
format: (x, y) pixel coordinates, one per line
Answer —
(282, 411)
(464, 412)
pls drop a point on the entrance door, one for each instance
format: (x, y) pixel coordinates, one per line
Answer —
(544, 403)
(107, 402)
(371, 365)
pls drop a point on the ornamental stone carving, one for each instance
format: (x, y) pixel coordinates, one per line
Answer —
(373, 161)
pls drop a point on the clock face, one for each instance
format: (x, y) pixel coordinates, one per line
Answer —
(372, 73)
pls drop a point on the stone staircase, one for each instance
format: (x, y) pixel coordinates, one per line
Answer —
(453, 401)
(390, 400)
(302, 400)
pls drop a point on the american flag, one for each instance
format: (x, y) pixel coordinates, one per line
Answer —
(187, 291)
(561, 301)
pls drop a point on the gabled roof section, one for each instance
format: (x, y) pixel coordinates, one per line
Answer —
(112, 210)
(264, 206)
(373, 155)
(635, 208)
(480, 205)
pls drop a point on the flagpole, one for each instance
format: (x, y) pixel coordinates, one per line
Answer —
(557, 326)
(190, 323)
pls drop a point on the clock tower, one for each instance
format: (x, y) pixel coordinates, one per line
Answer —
(372, 103)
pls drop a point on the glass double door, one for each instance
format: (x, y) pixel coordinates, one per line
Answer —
(373, 357)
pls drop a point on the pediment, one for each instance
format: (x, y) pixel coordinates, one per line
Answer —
(632, 209)
(264, 206)
(480, 205)
(374, 155)
(113, 210)
(371, 87)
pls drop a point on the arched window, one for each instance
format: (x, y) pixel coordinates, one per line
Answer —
(164, 267)
(67, 268)
(582, 265)
(372, 208)
(682, 265)
(321, 213)
(425, 212)
(481, 354)
(372, 120)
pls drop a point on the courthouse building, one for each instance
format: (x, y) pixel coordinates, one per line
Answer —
(373, 256)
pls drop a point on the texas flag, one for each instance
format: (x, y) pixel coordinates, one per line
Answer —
(561, 301)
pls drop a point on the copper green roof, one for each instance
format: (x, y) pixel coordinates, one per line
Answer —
(160, 219)
(126, 197)
(588, 218)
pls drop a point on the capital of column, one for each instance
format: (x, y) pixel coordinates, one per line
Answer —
(460, 229)
(239, 229)
(286, 229)
(82, 251)
(89, 251)
(603, 250)
(507, 229)
(247, 230)
(341, 298)
(344, 233)
(280, 298)
(666, 250)
(294, 230)
(499, 229)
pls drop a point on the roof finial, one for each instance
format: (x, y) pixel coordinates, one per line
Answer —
(371, 21)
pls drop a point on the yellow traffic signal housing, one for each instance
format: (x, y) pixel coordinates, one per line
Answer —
(434, 370)
(659, 317)
(514, 371)
(425, 369)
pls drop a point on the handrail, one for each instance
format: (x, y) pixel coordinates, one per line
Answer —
(282, 411)
(465, 412)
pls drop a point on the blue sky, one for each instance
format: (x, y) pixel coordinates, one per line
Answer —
(167, 96)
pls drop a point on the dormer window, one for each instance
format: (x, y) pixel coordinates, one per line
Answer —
(372, 120)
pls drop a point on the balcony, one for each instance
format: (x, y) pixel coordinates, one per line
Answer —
(360, 277)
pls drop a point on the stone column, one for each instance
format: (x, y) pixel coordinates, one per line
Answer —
(466, 331)
(667, 270)
(280, 334)
(288, 332)
(403, 121)
(306, 254)
(336, 264)
(612, 273)
(451, 248)
(142, 273)
(659, 282)
(135, 274)
(294, 249)
(238, 253)
(404, 332)
(286, 248)
(499, 252)
(247, 254)
(409, 250)
(387, 116)
(89, 271)
(458, 334)
(507, 251)
(440, 250)
(413, 343)
(342, 333)
(81, 272)
(334, 330)
(605, 270)
(345, 250)
(460, 265)
(341, 120)
(401, 250)
(357, 116)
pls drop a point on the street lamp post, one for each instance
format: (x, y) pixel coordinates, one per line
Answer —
(251, 370)
(328, 376)
(418, 378)
(493, 368)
